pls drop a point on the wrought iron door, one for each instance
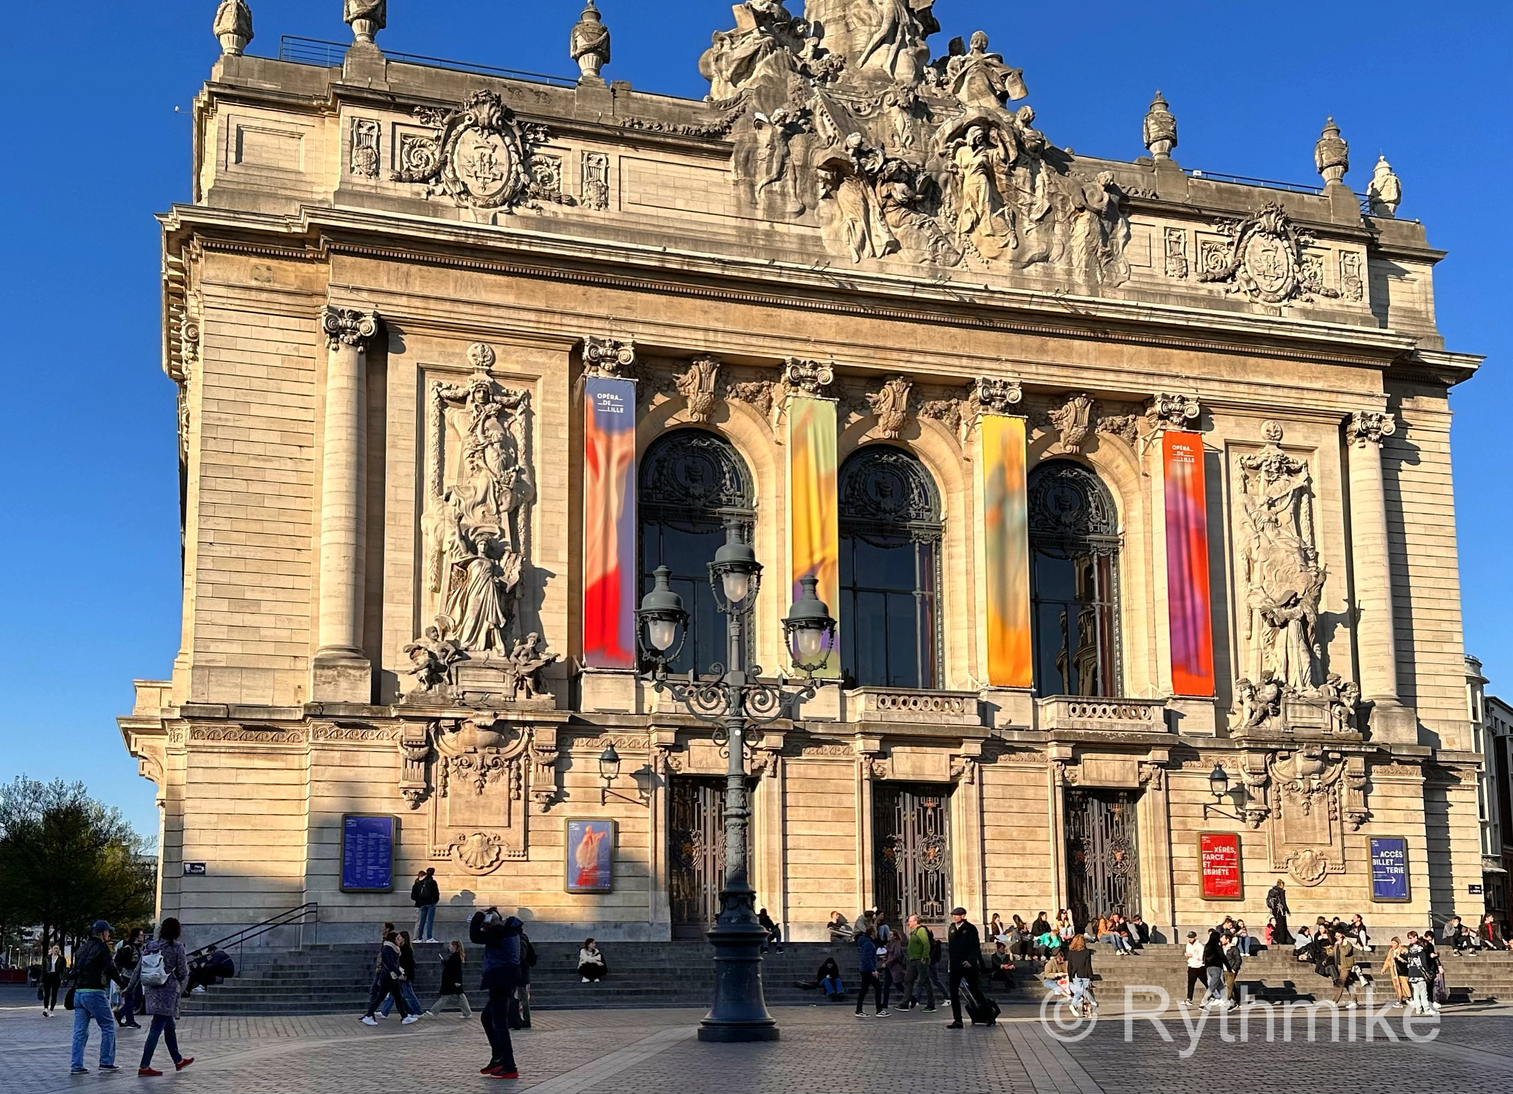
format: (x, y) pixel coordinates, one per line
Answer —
(696, 851)
(1102, 854)
(912, 834)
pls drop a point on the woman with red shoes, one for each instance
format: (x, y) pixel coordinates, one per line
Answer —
(163, 972)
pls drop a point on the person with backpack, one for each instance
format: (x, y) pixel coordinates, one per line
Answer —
(1276, 904)
(520, 998)
(866, 968)
(502, 960)
(426, 894)
(451, 982)
(162, 973)
(1234, 957)
(1419, 966)
(93, 972)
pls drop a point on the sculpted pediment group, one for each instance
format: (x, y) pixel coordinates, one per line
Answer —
(850, 121)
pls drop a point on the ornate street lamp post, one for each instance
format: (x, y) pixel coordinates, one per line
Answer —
(733, 700)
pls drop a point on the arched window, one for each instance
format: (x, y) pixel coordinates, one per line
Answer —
(691, 483)
(1074, 580)
(890, 570)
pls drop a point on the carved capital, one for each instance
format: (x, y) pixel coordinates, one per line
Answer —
(804, 377)
(606, 356)
(1369, 427)
(1173, 411)
(964, 769)
(348, 327)
(996, 395)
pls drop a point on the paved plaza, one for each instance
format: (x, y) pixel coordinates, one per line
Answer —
(824, 1050)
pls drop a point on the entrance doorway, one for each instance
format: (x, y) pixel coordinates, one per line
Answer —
(696, 854)
(912, 865)
(1102, 854)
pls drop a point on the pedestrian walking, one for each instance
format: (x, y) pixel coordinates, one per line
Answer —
(1420, 968)
(426, 894)
(127, 954)
(1395, 967)
(1276, 904)
(917, 965)
(1234, 957)
(895, 961)
(1342, 958)
(866, 967)
(54, 965)
(1213, 969)
(93, 972)
(406, 981)
(386, 982)
(1079, 971)
(500, 938)
(451, 982)
(1195, 975)
(162, 974)
(964, 962)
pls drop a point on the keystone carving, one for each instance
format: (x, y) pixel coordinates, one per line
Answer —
(697, 386)
(891, 405)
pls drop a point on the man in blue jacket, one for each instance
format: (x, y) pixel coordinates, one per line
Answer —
(502, 954)
(866, 961)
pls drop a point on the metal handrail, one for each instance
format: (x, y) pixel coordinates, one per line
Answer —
(318, 51)
(284, 919)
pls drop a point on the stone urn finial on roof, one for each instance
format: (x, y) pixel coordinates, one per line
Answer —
(1385, 190)
(366, 18)
(233, 26)
(1160, 128)
(1331, 155)
(589, 43)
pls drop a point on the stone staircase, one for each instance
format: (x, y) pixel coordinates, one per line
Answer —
(336, 979)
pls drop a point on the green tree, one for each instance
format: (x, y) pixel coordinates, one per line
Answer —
(68, 860)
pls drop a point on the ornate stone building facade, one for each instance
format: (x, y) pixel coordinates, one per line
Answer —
(1119, 474)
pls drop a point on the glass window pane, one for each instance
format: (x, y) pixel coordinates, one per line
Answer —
(903, 642)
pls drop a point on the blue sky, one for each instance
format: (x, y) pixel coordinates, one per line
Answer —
(89, 561)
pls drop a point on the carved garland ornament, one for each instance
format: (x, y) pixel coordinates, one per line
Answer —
(478, 155)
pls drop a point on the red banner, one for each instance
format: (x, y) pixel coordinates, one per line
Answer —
(1219, 859)
(1187, 603)
(609, 524)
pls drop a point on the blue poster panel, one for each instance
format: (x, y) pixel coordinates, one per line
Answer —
(590, 856)
(1389, 868)
(367, 852)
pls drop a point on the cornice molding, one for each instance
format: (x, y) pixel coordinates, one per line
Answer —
(384, 236)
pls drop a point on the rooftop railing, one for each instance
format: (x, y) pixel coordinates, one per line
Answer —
(318, 51)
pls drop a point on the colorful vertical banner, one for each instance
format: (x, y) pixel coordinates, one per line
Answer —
(813, 521)
(609, 524)
(1006, 545)
(1187, 597)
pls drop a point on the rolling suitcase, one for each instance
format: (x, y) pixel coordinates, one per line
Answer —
(979, 1008)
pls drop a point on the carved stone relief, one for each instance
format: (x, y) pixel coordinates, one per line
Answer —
(1176, 253)
(891, 405)
(697, 386)
(1280, 576)
(365, 157)
(1265, 259)
(1307, 814)
(479, 492)
(595, 180)
(477, 154)
(482, 772)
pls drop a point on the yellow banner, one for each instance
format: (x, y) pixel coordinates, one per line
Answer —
(813, 525)
(1006, 546)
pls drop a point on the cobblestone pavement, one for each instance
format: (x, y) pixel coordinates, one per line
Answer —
(824, 1050)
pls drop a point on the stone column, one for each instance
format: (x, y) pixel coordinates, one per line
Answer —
(1375, 635)
(341, 671)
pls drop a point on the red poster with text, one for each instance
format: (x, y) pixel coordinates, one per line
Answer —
(1219, 854)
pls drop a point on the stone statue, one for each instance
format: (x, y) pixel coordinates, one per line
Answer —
(432, 657)
(1331, 155)
(1385, 190)
(526, 661)
(775, 169)
(1344, 697)
(1160, 128)
(475, 532)
(366, 18)
(849, 178)
(233, 26)
(980, 162)
(881, 37)
(980, 80)
(589, 43)
(767, 40)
